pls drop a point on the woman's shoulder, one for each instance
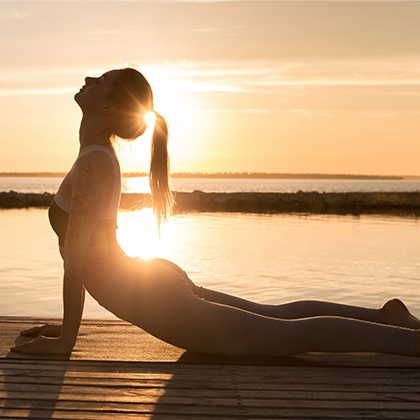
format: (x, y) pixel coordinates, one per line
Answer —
(97, 152)
(94, 162)
(98, 149)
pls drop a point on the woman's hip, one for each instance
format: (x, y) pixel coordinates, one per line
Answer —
(146, 292)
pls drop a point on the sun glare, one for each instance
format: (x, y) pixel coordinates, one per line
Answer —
(178, 104)
(137, 233)
(150, 119)
(179, 107)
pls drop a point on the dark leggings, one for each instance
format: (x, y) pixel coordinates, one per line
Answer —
(159, 297)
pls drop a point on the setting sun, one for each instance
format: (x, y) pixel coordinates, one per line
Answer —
(150, 119)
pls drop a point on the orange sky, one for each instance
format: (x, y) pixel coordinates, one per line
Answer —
(286, 86)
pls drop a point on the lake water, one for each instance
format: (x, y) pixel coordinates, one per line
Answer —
(140, 184)
(268, 258)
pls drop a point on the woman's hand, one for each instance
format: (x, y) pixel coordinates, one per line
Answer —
(44, 345)
(46, 330)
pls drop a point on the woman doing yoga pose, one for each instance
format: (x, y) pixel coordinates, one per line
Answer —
(157, 295)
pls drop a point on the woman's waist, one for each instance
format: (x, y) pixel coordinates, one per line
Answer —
(98, 260)
(106, 253)
(100, 263)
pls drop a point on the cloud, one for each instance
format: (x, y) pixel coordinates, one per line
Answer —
(242, 76)
(228, 76)
(235, 110)
(34, 91)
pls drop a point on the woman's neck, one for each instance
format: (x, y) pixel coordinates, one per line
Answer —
(93, 131)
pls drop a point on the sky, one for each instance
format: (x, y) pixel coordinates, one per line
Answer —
(246, 86)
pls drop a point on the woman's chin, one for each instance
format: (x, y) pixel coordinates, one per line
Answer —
(77, 97)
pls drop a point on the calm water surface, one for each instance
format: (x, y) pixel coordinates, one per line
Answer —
(140, 184)
(271, 259)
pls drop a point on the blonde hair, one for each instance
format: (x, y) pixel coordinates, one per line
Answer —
(163, 200)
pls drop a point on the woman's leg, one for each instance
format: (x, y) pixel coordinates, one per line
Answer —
(292, 310)
(393, 312)
(160, 301)
(208, 327)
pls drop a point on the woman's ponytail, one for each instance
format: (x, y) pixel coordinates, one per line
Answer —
(163, 200)
(133, 97)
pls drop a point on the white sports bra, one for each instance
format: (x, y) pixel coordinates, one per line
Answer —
(111, 210)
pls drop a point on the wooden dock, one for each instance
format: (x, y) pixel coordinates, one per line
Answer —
(119, 372)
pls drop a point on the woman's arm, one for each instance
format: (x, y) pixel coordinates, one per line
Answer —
(73, 303)
(91, 182)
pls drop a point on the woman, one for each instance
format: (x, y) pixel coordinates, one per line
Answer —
(157, 295)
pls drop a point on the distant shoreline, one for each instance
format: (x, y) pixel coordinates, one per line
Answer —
(229, 175)
(402, 204)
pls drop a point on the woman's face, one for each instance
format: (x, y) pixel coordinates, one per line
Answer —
(93, 96)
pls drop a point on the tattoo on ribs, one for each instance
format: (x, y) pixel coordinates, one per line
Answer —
(87, 198)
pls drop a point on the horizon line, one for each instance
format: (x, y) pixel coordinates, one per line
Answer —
(244, 174)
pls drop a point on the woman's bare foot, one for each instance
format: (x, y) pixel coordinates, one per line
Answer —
(394, 312)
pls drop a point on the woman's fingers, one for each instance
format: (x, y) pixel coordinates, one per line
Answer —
(32, 331)
(51, 331)
(32, 347)
(23, 348)
(43, 345)
(47, 330)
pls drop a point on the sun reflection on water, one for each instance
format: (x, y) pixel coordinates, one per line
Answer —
(138, 235)
(136, 184)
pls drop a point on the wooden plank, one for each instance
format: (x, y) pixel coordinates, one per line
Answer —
(168, 411)
(246, 374)
(190, 378)
(268, 379)
(155, 396)
(159, 416)
(270, 372)
(81, 415)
